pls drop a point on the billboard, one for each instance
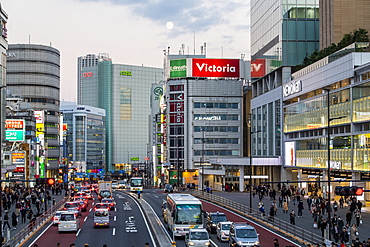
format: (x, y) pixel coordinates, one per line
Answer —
(258, 68)
(290, 154)
(205, 67)
(178, 68)
(15, 130)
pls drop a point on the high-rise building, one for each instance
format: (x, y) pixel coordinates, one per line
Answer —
(283, 33)
(123, 91)
(33, 73)
(85, 136)
(3, 54)
(339, 17)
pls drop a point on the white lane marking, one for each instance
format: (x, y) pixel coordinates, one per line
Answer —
(90, 210)
(114, 231)
(92, 203)
(155, 196)
(115, 209)
(115, 218)
(78, 232)
(85, 218)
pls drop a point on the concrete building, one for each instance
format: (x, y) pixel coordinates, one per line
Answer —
(85, 137)
(123, 91)
(3, 54)
(339, 17)
(33, 73)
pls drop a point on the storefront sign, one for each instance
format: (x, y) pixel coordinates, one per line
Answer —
(178, 68)
(14, 124)
(335, 164)
(208, 118)
(292, 88)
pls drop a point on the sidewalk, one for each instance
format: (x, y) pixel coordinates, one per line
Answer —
(12, 232)
(306, 221)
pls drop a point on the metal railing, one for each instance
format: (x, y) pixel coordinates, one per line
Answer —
(293, 232)
(41, 223)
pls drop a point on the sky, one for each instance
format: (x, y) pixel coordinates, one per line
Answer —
(133, 32)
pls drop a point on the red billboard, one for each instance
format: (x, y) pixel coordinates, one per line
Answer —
(206, 67)
(258, 68)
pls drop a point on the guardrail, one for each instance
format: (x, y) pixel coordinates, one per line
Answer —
(295, 233)
(41, 223)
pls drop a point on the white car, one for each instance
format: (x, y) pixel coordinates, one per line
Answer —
(223, 230)
(197, 237)
(56, 216)
(68, 222)
(114, 185)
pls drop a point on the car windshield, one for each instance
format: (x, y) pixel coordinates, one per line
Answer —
(188, 214)
(219, 218)
(67, 217)
(136, 182)
(199, 236)
(71, 205)
(225, 226)
(105, 193)
(246, 233)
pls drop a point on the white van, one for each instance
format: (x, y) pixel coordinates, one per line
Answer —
(101, 217)
(68, 222)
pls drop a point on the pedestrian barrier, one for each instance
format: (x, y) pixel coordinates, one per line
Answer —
(39, 224)
(297, 234)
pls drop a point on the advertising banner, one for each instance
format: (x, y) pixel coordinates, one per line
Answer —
(15, 130)
(178, 68)
(205, 67)
(18, 158)
(258, 68)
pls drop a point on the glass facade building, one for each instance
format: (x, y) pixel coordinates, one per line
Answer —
(284, 32)
(85, 136)
(123, 91)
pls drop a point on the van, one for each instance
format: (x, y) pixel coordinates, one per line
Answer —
(68, 222)
(243, 235)
(101, 218)
(197, 237)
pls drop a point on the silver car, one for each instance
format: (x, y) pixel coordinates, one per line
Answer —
(68, 222)
(223, 230)
(56, 216)
(197, 237)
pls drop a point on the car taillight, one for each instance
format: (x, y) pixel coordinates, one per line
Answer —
(111, 204)
(55, 218)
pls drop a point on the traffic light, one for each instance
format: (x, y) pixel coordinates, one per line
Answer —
(348, 191)
(40, 181)
(50, 181)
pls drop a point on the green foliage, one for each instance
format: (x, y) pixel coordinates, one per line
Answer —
(360, 35)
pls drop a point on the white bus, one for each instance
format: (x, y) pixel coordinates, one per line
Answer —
(136, 184)
(183, 211)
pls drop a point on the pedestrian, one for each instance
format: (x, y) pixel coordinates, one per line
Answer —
(335, 206)
(353, 232)
(58, 244)
(138, 194)
(344, 236)
(300, 208)
(104, 245)
(285, 206)
(357, 215)
(272, 212)
(23, 215)
(72, 245)
(86, 245)
(276, 242)
(146, 244)
(14, 221)
(292, 217)
(32, 223)
(341, 202)
(335, 232)
(54, 201)
(323, 226)
(6, 220)
(348, 217)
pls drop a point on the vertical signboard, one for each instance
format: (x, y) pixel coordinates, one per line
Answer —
(258, 68)
(290, 154)
(14, 130)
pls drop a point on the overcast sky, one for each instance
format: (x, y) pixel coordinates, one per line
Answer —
(131, 31)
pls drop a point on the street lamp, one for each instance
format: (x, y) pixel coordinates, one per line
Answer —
(328, 147)
(250, 161)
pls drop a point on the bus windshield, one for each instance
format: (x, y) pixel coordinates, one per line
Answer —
(188, 214)
(136, 182)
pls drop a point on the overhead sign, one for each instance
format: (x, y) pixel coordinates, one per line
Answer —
(258, 68)
(204, 67)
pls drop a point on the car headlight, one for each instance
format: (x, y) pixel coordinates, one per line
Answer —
(213, 224)
(222, 233)
(240, 242)
(257, 243)
(207, 244)
(191, 243)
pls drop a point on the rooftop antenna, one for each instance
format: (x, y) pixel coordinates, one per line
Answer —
(29, 39)
(205, 49)
(222, 52)
(201, 50)
(183, 49)
(194, 42)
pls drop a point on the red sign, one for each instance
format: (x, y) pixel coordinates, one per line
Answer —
(258, 68)
(204, 67)
(177, 106)
(87, 74)
(19, 169)
(14, 124)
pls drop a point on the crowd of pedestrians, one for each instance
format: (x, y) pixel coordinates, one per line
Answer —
(344, 229)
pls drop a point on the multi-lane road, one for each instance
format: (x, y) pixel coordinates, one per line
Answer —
(129, 226)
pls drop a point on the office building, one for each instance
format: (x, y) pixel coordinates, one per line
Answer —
(84, 137)
(33, 73)
(3, 54)
(123, 91)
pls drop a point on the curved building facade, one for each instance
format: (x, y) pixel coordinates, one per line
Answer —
(33, 72)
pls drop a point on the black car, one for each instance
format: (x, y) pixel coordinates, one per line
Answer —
(168, 188)
(212, 220)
